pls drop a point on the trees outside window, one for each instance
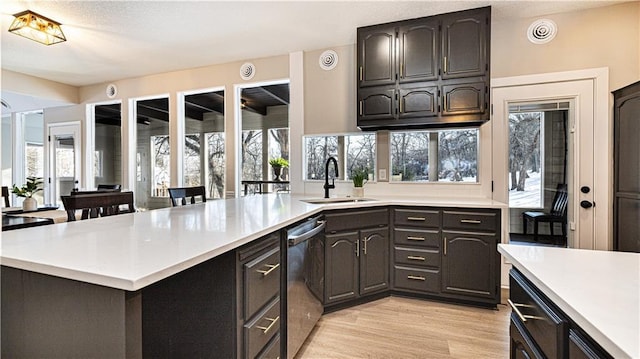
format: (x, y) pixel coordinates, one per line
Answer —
(525, 165)
(160, 152)
(252, 155)
(215, 151)
(432, 156)
(351, 151)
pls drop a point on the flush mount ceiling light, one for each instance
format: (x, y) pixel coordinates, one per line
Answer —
(37, 28)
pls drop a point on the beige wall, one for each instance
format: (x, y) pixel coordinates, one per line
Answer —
(602, 37)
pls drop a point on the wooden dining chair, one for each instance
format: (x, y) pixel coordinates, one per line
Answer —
(95, 205)
(5, 196)
(557, 214)
(180, 195)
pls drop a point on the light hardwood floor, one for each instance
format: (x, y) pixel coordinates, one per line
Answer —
(396, 327)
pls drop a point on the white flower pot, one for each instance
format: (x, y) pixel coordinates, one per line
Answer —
(358, 191)
(29, 204)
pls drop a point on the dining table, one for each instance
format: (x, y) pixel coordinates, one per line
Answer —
(17, 218)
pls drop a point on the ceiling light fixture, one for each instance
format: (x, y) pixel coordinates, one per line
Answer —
(37, 28)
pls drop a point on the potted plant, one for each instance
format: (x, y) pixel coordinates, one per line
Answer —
(27, 191)
(278, 164)
(359, 177)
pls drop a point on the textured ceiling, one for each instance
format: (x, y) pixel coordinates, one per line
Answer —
(111, 40)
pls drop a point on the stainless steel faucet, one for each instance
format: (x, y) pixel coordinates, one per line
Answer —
(328, 186)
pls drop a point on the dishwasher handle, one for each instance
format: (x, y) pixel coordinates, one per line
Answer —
(293, 240)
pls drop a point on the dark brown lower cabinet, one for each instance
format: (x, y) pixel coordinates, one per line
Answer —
(539, 329)
(356, 254)
(226, 307)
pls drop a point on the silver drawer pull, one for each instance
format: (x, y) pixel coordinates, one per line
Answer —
(416, 219)
(416, 277)
(416, 258)
(271, 267)
(474, 221)
(273, 322)
(522, 317)
(413, 238)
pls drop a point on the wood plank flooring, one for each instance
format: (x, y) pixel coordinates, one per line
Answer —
(396, 327)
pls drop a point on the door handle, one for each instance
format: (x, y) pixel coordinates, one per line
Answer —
(587, 204)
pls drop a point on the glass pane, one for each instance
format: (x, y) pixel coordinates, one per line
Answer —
(252, 155)
(204, 150)
(152, 153)
(65, 165)
(108, 149)
(525, 166)
(432, 156)
(317, 150)
(360, 151)
(7, 151)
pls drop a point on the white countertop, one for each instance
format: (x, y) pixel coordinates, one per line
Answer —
(131, 251)
(599, 290)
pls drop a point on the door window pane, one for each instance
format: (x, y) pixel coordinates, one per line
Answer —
(432, 156)
(107, 142)
(525, 166)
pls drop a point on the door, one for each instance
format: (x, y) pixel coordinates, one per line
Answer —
(464, 45)
(580, 148)
(376, 56)
(419, 51)
(341, 266)
(468, 264)
(374, 260)
(64, 160)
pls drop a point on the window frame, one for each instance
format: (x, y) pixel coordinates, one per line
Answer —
(342, 171)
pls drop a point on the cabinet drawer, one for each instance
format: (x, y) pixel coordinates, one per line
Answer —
(416, 217)
(272, 351)
(422, 280)
(261, 281)
(417, 257)
(546, 326)
(417, 237)
(475, 221)
(259, 331)
(521, 345)
(343, 221)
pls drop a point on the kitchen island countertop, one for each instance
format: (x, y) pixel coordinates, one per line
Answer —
(598, 290)
(131, 251)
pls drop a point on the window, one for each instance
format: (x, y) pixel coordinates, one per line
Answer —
(525, 165)
(97, 164)
(433, 156)
(34, 160)
(357, 151)
(160, 153)
(192, 160)
(215, 151)
(252, 155)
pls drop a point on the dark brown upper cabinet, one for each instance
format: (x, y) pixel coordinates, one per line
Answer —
(424, 73)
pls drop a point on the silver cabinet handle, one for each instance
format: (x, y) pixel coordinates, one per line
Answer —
(416, 258)
(416, 219)
(364, 244)
(445, 246)
(360, 73)
(523, 318)
(271, 267)
(413, 238)
(358, 248)
(267, 328)
(416, 277)
(474, 221)
(445, 64)
(360, 107)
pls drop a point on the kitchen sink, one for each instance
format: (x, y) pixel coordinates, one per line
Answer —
(336, 200)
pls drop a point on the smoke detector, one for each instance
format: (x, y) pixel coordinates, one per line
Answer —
(542, 31)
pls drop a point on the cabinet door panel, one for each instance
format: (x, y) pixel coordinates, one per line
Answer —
(376, 56)
(583, 347)
(418, 101)
(469, 264)
(341, 267)
(419, 51)
(521, 345)
(374, 260)
(377, 103)
(464, 45)
(462, 99)
(261, 281)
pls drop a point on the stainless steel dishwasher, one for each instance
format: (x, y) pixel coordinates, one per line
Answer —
(305, 280)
